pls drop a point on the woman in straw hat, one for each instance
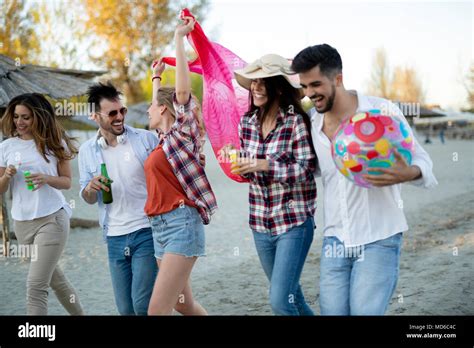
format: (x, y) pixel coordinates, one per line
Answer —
(277, 157)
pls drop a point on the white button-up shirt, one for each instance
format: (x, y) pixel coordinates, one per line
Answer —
(357, 215)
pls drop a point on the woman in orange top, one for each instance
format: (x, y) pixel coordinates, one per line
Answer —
(180, 199)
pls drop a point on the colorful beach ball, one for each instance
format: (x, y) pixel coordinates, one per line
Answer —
(367, 140)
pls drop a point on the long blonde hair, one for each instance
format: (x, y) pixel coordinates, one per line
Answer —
(47, 132)
(165, 97)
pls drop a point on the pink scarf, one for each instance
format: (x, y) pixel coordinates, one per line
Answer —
(224, 101)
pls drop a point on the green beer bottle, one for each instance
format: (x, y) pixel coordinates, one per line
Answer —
(106, 196)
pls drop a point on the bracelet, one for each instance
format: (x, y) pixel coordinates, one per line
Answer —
(155, 77)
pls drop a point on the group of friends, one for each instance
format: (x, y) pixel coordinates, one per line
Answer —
(162, 198)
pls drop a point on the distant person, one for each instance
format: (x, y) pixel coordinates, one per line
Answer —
(35, 164)
(370, 219)
(180, 198)
(427, 138)
(441, 135)
(276, 133)
(126, 228)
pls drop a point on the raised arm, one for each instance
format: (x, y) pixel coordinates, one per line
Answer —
(183, 78)
(157, 69)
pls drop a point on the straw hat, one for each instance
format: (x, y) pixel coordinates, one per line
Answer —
(267, 66)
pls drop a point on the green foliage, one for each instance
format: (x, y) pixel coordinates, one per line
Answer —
(130, 34)
(121, 36)
(61, 32)
(168, 79)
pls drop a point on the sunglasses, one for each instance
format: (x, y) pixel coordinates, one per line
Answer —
(113, 113)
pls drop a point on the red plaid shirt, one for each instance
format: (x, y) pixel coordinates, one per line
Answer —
(181, 146)
(284, 196)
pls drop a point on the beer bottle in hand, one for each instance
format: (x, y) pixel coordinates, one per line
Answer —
(106, 196)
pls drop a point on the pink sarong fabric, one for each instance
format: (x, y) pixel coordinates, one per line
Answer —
(224, 101)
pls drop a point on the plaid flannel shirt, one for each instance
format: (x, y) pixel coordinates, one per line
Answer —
(284, 196)
(181, 146)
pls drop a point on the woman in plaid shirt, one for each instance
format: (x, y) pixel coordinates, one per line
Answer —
(278, 158)
(180, 199)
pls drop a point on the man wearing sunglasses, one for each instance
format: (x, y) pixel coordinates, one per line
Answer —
(126, 228)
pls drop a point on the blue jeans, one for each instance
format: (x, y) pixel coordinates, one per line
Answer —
(359, 280)
(133, 269)
(282, 258)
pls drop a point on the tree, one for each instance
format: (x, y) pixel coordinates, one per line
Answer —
(168, 79)
(18, 39)
(406, 86)
(130, 34)
(380, 78)
(403, 85)
(469, 84)
(60, 34)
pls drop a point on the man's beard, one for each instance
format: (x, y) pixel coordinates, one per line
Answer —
(330, 102)
(108, 127)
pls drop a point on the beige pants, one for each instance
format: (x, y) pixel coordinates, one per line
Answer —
(48, 236)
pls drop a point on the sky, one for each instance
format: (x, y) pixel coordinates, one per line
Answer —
(434, 37)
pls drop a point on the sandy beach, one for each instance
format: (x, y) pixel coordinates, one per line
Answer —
(437, 263)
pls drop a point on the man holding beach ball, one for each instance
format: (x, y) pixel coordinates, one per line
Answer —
(365, 152)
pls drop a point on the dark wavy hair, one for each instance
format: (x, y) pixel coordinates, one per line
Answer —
(324, 56)
(97, 92)
(47, 132)
(288, 98)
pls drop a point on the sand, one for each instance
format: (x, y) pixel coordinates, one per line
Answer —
(437, 262)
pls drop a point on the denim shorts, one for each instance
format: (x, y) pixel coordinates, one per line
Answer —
(179, 231)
